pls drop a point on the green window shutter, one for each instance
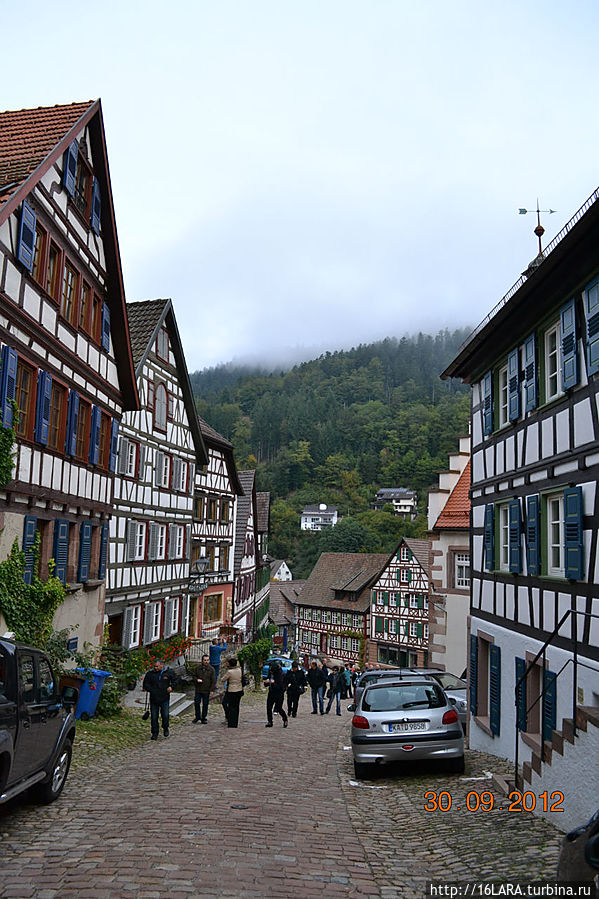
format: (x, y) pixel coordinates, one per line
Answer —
(494, 688)
(410, 555)
(385, 598)
(489, 537)
(378, 625)
(515, 536)
(409, 575)
(473, 674)
(406, 602)
(549, 703)
(420, 601)
(406, 628)
(419, 630)
(520, 695)
(488, 404)
(573, 533)
(513, 380)
(530, 372)
(591, 308)
(398, 574)
(533, 535)
(569, 346)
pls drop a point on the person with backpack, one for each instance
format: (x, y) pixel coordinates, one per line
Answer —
(295, 682)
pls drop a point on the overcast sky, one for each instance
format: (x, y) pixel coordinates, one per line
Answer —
(318, 173)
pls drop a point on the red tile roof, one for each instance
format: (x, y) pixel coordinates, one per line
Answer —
(456, 512)
(27, 136)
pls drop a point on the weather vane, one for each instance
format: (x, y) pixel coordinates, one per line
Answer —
(539, 230)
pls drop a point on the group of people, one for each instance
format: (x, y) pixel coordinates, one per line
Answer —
(332, 684)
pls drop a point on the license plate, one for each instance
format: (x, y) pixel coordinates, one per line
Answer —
(406, 726)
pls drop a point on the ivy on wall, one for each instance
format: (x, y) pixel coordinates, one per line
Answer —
(29, 608)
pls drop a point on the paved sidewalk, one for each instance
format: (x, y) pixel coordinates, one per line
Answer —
(256, 812)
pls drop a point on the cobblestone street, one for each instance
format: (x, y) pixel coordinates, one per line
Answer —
(261, 813)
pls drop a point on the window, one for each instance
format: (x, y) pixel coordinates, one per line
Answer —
(85, 306)
(212, 509)
(176, 542)
(336, 616)
(345, 643)
(39, 254)
(24, 398)
(554, 506)
(198, 509)
(95, 329)
(82, 438)
(413, 629)
(314, 638)
(224, 511)
(171, 616)
(405, 575)
(355, 645)
(405, 554)
(136, 541)
(224, 558)
(152, 627)
(58, 409)
(163, 470)
(552, 363)
(357, 621)
(503, 525)
(83, 187)
(68, 303)
(306, 636)
(160, 407)
(104, 441)
(179, 475)
(503, 396)
(212, 607)
(485, 682)
(53, 272)
(316, 615)
(345, 619)
(462, 570)
(134, 629)
(334, 641)
(161, 541)
(162, 344)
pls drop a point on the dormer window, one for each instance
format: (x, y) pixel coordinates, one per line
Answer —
(162, 344)
(83, 187)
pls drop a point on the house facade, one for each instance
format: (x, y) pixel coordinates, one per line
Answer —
(399, 621)
(333, 611)
(246, 561)
(280, 571)
(283, 613)
(315, 518)
(217, 487)
(159, 449)
(449, 529)
(404, 501)
(533, 367)
(66, 363)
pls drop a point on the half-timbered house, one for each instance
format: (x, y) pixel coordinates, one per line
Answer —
(449, 529)
(159, 448)
(217, 487)
(246, 562)
(533, 365)
(334, 606)
(66, 362)
(400, 614)
(283, 612)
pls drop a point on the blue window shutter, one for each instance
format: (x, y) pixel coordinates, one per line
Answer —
(473, 674)
(94, 435)
(29, 530)
(569, 346)
(96, 207)
(26, 236)
(549, 703)
(573, 532)
(42, 408)
(488, 404)
(72, 417)
(591, 308)
(85, 546)
(8, 384)
(61, 549)
(513, 381)
(106, 327)
(520, 695)
(103, 551)
(489, 537)
(515, 536)
(533, 542)
(530, 372)
(69, 169)
(114, 444)
(494, 688)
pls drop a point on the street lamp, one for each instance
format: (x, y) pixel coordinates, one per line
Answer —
(197, 576)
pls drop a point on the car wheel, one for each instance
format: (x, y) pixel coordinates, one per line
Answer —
(456, 766)
(48, 792)
(361, 770)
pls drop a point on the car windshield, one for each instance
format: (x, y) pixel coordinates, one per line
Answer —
(403, 696)
(450, 681)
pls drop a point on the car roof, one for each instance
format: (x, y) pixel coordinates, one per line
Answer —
(404, 682)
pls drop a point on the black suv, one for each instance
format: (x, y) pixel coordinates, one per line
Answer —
(37, 727)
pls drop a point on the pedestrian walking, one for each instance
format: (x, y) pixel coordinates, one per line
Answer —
(316, 679)
(204, 681)
(276, 692)
(337, 681)
(296, 685)
(216, 650)
(233, 691)
(347, 693)
(158, 682)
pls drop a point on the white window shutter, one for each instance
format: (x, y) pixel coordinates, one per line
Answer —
(184, 624)
(127, 622)
(168, 617)
(172, 540)
(142, 462)
(131, 540)
(187, 549)
(176, 473)
(147, 622)
(192, 477)
(123, 455)
(159, 468)
(153, 541)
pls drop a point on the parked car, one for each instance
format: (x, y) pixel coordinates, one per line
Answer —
(284, 662)
(37, 726)
(579, 856)
(408, 719)
(454, 687)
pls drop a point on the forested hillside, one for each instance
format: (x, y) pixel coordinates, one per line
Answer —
(336, 429)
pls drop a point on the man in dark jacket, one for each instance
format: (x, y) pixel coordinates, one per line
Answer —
(204, 681)
(276, 692)
(158, 682)
(295, 682)
(317, 679)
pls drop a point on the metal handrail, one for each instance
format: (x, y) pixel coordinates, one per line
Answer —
(543, 652)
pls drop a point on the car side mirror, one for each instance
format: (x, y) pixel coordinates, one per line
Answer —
(351, 707)
(69, 696)
(591, 852)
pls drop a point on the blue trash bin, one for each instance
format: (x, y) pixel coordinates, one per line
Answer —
(89, 693)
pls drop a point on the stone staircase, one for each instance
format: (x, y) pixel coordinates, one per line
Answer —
(570, 768)
(136, 699)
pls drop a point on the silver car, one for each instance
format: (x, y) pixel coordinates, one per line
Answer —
(454, 687)
(406, 720)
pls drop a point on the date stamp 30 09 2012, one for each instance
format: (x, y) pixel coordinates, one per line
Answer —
(485, 801)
